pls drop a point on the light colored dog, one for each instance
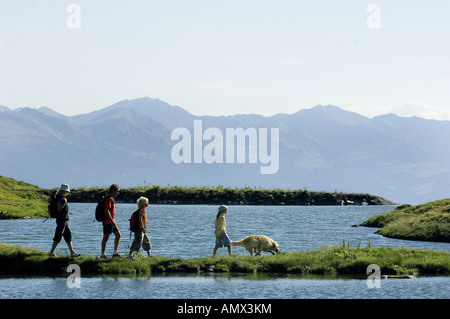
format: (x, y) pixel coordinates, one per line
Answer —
(257, 243)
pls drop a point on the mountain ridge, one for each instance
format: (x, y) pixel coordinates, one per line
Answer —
(324, 148)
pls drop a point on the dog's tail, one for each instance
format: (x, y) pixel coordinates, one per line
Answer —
(238, 243)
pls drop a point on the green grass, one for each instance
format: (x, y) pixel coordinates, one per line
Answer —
(226, 195)
(16, 260)
(19, 199)
(428, 222)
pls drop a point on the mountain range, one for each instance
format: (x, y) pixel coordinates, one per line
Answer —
(325, 148)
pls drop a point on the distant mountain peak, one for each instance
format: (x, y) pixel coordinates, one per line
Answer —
(322, 113)
(48, 111)
(333, 109)
(327, 107)
(4, 109)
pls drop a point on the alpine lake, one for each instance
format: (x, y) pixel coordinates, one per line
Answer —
(187, 231)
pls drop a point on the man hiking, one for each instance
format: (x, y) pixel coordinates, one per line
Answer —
(109, 221)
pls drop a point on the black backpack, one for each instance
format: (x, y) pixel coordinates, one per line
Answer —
(52, 210)
(100, 210)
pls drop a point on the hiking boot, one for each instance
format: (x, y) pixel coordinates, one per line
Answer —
(52, 254)
(74, 254)
(116, 255)
(103, 256)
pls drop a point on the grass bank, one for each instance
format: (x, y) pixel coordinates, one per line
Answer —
(19, 199)
(17, 260)
(428, 222)
(227, 195)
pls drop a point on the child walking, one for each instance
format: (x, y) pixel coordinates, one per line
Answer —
(140, 235)
(222, 239)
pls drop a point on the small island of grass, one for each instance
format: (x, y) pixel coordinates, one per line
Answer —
(335, 260)
(427, 222)
(22, 200)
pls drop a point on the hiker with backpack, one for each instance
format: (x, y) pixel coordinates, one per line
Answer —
(138, 225)
(59, 209)
(109, 221)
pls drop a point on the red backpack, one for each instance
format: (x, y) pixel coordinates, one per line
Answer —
(134, 221)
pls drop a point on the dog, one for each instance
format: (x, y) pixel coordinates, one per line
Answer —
(257, 243)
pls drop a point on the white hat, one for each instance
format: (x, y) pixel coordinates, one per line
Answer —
(64, 187)
(222, 208)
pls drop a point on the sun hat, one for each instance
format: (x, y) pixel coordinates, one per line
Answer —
(65, 188)
(222, 208)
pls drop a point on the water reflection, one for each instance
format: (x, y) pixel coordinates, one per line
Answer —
(220, 286)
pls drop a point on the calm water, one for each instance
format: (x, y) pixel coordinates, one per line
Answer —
(188, 232)
(219, 286)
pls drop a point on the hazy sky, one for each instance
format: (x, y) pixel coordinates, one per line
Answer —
(227, 57)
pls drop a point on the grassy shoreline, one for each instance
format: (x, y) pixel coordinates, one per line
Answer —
(21, 200)
(426, 222)
(335, 260)
(177, 195)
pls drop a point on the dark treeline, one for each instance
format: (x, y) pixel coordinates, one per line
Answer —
(221, 195)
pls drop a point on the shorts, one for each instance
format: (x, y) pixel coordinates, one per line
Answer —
(62, 230)
(109, 229)
(223, 241)
(141, 239)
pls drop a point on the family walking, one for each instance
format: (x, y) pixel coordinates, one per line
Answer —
(138, 224)
(59, 203)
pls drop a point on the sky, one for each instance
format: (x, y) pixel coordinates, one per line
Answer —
(228, 57)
